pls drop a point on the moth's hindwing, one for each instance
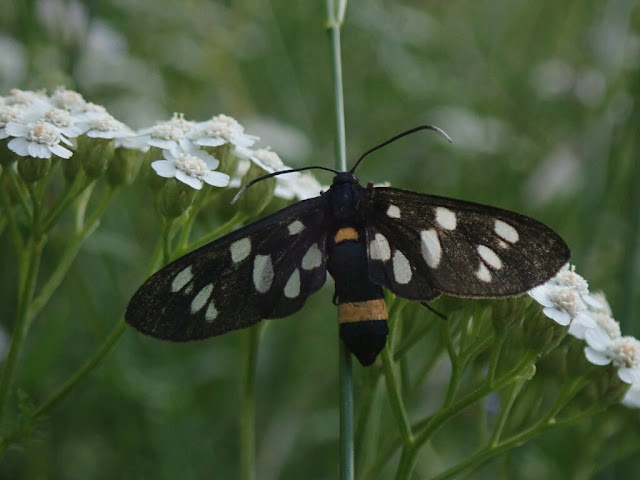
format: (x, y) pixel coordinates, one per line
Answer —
(265, 270)
(420, 246)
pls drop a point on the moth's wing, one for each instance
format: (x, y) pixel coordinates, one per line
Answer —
(265, 270)
(420, 246)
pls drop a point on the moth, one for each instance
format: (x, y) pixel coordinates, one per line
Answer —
(416, 245)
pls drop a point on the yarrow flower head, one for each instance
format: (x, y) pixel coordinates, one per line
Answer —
(219, 130)
(168, 135)
(190, 167)
(622, 352)
(37, 139)
(295, 185)
(565, 297)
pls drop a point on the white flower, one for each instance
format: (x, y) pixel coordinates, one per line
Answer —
(622, 352)
(561, 303)
(219, 130)
(64, 121)
(10, 114)
(632, 397)
(566, 298)
(105, 126)
(264, 158)
(298, 185)
(597, 322)
(68, 100)
(168, 135)
(34, 100)
(192, 168)
(37, 139)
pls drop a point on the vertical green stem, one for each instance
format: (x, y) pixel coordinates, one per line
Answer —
(347, 462)
(335, 14)
(21, 326)
(248, 404)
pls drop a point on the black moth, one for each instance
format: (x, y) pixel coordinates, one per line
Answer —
(416, 245)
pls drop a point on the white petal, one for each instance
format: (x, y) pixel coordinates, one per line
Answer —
(61, 151)
(210, 142)
(577, 329)
(160, 143)
(164, 168)
(629, 375)
(39, 150)
(16, 129)
(189, 180)
(217, 179)
(597, 358)
(541, 295)
(597, 338)
(585, 319)
(20, 146)
(559, 316)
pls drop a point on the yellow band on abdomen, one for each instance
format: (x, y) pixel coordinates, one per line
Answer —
(346, 233)
(362, 311)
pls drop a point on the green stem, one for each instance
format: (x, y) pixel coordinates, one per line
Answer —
(14, 232)
(454, 409)
(21, 326)
(454, 381)
(70, 193)
(88, 366)
(335, 16)
(69, 256)
(18, 188)
(248, 403)
(347, 462)
(395, 398)
(505, 412)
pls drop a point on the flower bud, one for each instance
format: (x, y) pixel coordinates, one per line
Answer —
(175, 198)
(96, 153)
(32, 169)
(124, 166)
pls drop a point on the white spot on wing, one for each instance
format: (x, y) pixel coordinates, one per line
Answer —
(181, 279)
(401, 268)
(211, 313)
(446, 218)
(240, 249)
(506, 231)
(313, 258)
(379, 248)
(483, 273)
(393, 212)
(296, 227)
(490, 257)
(431, 248)
(201, 298)
(262, 273)
(292, 288)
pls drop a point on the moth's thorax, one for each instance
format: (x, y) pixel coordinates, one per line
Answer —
(345, 201)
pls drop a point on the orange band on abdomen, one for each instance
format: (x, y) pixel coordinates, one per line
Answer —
(347, 233)
(362, 311)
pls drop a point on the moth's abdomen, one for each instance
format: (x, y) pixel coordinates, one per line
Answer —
(361, 308)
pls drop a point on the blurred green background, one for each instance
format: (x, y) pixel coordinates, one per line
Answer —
(539, 98)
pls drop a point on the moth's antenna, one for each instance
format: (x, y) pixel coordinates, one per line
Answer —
(400, 135)
(275, 174)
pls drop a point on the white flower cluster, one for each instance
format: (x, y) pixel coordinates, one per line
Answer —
(40, 125)
(566, 300)
(296, 185)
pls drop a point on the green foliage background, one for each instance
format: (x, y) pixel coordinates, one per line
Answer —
(539, 97)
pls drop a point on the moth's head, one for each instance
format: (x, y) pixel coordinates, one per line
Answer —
(344, 177)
